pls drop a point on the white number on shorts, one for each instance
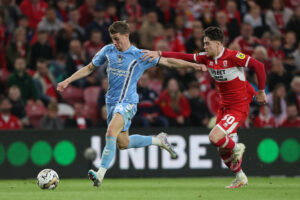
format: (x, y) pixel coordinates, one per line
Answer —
(229, 119)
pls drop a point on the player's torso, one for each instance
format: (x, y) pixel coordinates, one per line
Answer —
(230, 78)
(123, 72)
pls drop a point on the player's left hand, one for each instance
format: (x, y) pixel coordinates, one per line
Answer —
(151, 55)
(200, 67)
(261, 97)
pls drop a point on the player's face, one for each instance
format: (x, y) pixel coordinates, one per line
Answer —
(210, 46)
(120, 41)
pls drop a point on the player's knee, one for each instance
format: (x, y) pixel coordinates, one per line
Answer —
(122, 144)
(213, 139)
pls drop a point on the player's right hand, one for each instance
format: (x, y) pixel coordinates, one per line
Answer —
(62, 85)
(261, 97)
(151, 55)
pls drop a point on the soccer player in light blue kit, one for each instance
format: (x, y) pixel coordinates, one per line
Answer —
(124, 68)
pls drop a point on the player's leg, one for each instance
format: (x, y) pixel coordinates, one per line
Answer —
(113, 130)
(136, 141)
(233, 157)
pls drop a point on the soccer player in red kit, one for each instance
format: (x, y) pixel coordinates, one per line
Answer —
(227, 68)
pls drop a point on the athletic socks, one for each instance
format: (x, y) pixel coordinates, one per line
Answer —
(108, 152)
(226, 143)
(137, 141)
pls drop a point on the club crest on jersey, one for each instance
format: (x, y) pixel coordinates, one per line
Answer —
(120, 58)
(211, 63)
(240, 56)
(225, 63)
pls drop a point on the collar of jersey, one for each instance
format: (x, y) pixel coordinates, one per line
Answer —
(220, 55)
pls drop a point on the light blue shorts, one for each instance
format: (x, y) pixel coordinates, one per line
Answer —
(127, 110)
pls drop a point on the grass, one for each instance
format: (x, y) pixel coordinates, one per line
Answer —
(154, 189)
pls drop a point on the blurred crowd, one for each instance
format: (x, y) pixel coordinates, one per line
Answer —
(43, 42)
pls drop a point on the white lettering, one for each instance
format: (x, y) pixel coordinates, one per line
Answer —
(179, 147)
(196, 152)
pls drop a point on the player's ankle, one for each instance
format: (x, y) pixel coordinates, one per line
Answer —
(101, 173)
(236, 147)
(156, 141)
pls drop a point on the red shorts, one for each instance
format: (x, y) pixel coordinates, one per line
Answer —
(229, 119)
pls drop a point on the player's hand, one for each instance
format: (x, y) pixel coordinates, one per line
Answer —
(62, 85)
(261, 97)
(200, 67)
(151, 55)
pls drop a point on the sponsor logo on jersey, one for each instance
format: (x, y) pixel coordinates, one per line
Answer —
(225, 63)
(240, 56)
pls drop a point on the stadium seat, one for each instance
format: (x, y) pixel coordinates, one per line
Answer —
(65, 110)
(92, 112)
(35, 113)
(91, 94)
(72, 94)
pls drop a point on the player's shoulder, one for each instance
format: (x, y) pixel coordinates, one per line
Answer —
(201, 53)
(234, 54)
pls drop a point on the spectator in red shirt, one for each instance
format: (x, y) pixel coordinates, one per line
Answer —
(174, 43)
(7, 120)
(93, 45)
(132, 10)
(232, 11)
(61, 11)
(275, 50)
(174, 104)
(86, 11)
(34, 10)
(230, 28)
(78, 120)
(278, 16)
(264, 118)
(18, 47)
(45, 82)
(292, 119)
(260, 53)
(166, 14)
(246, 40)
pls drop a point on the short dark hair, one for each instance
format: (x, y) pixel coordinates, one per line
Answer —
(214, 33)
(121, 27)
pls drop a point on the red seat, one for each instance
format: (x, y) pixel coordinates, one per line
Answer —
(35, 112)
(4, 74)
(92, 112)
(72, 94)
(91, 94)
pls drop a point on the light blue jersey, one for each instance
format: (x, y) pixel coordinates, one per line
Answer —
(124, 69)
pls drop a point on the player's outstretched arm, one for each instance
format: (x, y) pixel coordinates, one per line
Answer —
(83, 72)
(176, 63)
(151, 55)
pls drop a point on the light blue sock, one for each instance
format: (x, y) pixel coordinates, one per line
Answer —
(108, 151)
(136, 141)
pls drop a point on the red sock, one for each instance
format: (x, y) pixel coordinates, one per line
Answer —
(227, 159)
(225, 143)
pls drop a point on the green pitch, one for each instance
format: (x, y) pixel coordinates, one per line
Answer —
(154, 189)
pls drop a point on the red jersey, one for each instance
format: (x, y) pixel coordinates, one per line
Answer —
(12, 123)
(228, 71)
(295, 123)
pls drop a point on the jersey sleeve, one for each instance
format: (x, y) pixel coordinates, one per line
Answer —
(100, 58)
(200, 57)
(240, 59)
(147, 64)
